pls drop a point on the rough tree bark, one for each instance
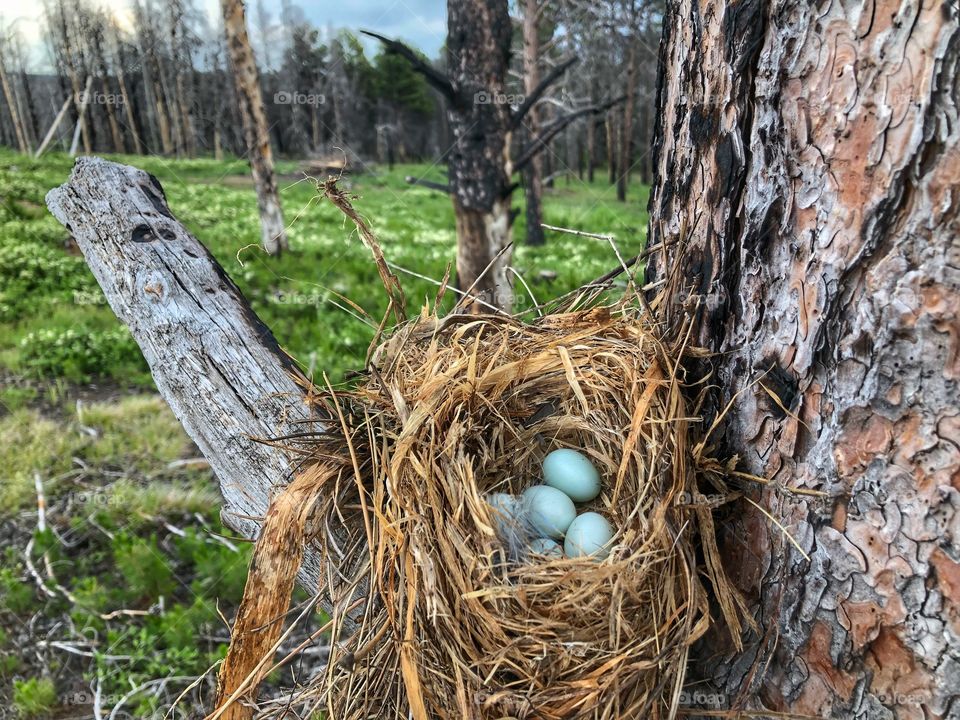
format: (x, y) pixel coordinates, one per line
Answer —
(478, 55)
(807, 166)
(255, 128)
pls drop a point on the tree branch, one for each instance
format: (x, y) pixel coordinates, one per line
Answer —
(437, 79)
(535, 146)
(530, 100)
(410, 179)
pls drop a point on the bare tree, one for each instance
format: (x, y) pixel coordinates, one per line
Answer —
(13, 104)
(255, 128)
(482, 123)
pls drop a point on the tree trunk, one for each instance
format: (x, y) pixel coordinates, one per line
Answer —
(611, 137)
(181, 61)
(108, 96)
(807, 160)
(533, 172)
(591, 148)
(626, 125)
(128, 108)
(478, 47)
(13, 107)
(255, 130)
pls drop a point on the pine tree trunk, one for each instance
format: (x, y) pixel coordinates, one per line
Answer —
(478, 46)
(807, 160)
(626, 125)
(533, 172)
(591, 148)
(255, 130)
(611, 137)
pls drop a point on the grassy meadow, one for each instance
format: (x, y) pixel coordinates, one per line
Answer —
(117, 594)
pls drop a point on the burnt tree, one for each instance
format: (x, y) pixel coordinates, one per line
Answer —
(805, 207)
(479, 163)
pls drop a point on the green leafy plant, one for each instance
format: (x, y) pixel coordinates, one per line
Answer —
(34, 697)
(80, 354)
(143, 566)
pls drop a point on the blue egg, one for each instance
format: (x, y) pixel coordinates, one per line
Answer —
(572, 473)
(548, 510)
(546, 546)
(507, 512)
(588, 535)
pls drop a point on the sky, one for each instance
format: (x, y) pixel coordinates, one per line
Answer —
(422, 23)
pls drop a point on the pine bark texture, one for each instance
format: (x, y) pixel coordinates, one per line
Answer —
(255, 128)
(806, 209)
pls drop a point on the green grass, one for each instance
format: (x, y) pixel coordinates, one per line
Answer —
(54, 323)
(134, 548)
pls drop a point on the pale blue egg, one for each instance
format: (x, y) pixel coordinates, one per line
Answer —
(546, 546)
(548, 510)
(589, 534)
(572, 473)
(507, 511)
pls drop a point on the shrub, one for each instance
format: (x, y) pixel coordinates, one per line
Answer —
(80, 354)
(32, 274)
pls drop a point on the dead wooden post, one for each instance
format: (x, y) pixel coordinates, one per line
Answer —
(215, 363)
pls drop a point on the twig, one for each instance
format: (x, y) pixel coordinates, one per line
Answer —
(547, 134)
(162, 682)
(390, 282)
(412, 273)
(530, 100)
(578, 233)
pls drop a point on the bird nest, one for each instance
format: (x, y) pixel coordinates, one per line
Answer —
(435, 616)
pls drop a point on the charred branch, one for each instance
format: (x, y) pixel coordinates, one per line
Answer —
(440, 187)
(531, 99)
(440, 82)
(551, 130)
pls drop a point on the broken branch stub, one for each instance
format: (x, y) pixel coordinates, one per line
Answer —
(213, 361)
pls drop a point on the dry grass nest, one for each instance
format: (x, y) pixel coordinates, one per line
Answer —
(432, 618)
